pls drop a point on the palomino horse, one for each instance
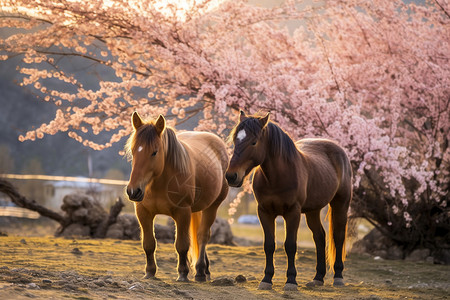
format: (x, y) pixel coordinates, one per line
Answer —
(179, 175)
(291, 179)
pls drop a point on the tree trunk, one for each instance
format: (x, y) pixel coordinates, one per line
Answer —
(113, 213)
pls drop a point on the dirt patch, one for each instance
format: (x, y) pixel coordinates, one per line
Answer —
(51, 268)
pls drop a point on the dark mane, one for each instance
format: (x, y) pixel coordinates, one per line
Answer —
(280, 143)
(175, 154)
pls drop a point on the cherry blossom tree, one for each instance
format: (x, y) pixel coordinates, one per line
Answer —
(373, 75)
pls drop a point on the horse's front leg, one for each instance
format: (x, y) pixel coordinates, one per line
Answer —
(182, 219)
(268, 224)
(292, 219)
(148, 239)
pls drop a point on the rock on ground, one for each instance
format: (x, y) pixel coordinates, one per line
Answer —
(378, 245)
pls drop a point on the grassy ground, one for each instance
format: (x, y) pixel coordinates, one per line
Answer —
(56, 268)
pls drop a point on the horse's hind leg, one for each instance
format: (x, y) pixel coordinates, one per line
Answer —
(315, 225)
(148, 239)
(207, 272)
(267, 220)
(339, 217)
(204, 234)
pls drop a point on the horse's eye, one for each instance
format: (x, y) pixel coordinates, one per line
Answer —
(154, 153)
(254, 143)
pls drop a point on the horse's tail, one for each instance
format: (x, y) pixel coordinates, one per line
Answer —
(196, 217)
(331, 255)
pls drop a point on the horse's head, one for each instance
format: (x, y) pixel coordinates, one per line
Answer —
(249, 147)
(145, 148)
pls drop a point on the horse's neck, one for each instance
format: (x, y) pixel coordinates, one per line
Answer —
(278, 170)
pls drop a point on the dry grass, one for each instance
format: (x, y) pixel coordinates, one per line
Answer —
(113, 269)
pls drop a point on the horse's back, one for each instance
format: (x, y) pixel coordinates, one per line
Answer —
(324, 149)
(206, 145)
(329, 169)
(209, 159)
(315, 145)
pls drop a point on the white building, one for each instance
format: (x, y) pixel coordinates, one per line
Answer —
(54, 192)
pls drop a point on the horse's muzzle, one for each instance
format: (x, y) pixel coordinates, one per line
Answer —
(136, 195)
(233, 180)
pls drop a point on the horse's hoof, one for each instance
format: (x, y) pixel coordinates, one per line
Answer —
(149, 276)
(290, 287)
(265, 286)
(208, 277)
(338, 282)
(182, 278)
(200, 278)
(314, 283)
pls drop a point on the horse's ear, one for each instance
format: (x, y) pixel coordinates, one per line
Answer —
(264, 120)
(242, 115)
(160, 124)
(136, 120)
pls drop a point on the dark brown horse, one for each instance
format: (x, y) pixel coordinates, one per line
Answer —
(291, 179)
(179, 175)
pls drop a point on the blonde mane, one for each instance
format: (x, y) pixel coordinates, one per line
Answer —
(176, 154)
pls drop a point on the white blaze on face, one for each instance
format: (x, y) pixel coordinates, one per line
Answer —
(241, 135)
(140, 148)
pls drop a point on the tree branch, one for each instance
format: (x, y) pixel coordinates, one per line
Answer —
(443, 9)
(8, 189)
